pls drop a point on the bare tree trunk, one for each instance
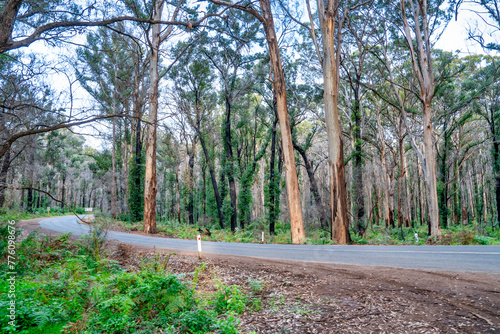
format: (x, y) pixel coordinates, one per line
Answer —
(292, 184)
(386, 205)
(422, 67)
(330, 61)
(113, 154)
(150, 189)
(430, 165)
(403, 204)
(113, 172)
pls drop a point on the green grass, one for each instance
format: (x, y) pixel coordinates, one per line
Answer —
(72, 286)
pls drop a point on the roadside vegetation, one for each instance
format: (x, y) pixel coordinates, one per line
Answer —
(474, 234)
(68, 286)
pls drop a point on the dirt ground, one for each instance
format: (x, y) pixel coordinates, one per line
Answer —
(303, 297)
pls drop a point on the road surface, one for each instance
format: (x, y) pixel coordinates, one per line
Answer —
(483, 259)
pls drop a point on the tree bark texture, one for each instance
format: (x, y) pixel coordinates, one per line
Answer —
(292, 184)
(422, 67)
(430, 166)
(339, 206)
(150, 189)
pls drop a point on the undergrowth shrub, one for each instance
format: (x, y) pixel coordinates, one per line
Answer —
(66, 286)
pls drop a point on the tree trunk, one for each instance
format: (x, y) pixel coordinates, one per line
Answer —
(84, 187)
(403, 204)
(178, 196)
(340, 221)
(63, 190)
(150, 189)
(214, 181)
(313, 185)
(408, 204)
(495, 157)
(113, 155)
(29, 205)
(443, 175)
(422, 67)
(292, 184)
(386, 183)
(357, 175)
(3, 176)
(430, 166)
(228, 146)
(272, 193)
(190, 205)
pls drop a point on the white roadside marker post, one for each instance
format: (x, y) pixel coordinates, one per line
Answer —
(262, 236)
(199, 246)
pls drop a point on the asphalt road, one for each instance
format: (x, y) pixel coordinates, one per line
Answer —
(482, 259)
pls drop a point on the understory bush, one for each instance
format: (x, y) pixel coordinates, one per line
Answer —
(63, 287)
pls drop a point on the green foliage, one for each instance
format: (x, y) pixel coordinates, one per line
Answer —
(196, 321)
(454, 235)
(60, 285)
(136, 189)
(272, 192)
(231, 298)
(257, 286)
(245, 198)
(228, 325)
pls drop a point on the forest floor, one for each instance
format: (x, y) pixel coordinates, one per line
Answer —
(302, 297)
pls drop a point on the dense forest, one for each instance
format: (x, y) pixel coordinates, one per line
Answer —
(331, 115)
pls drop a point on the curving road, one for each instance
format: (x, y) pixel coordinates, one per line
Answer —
(483, 259)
